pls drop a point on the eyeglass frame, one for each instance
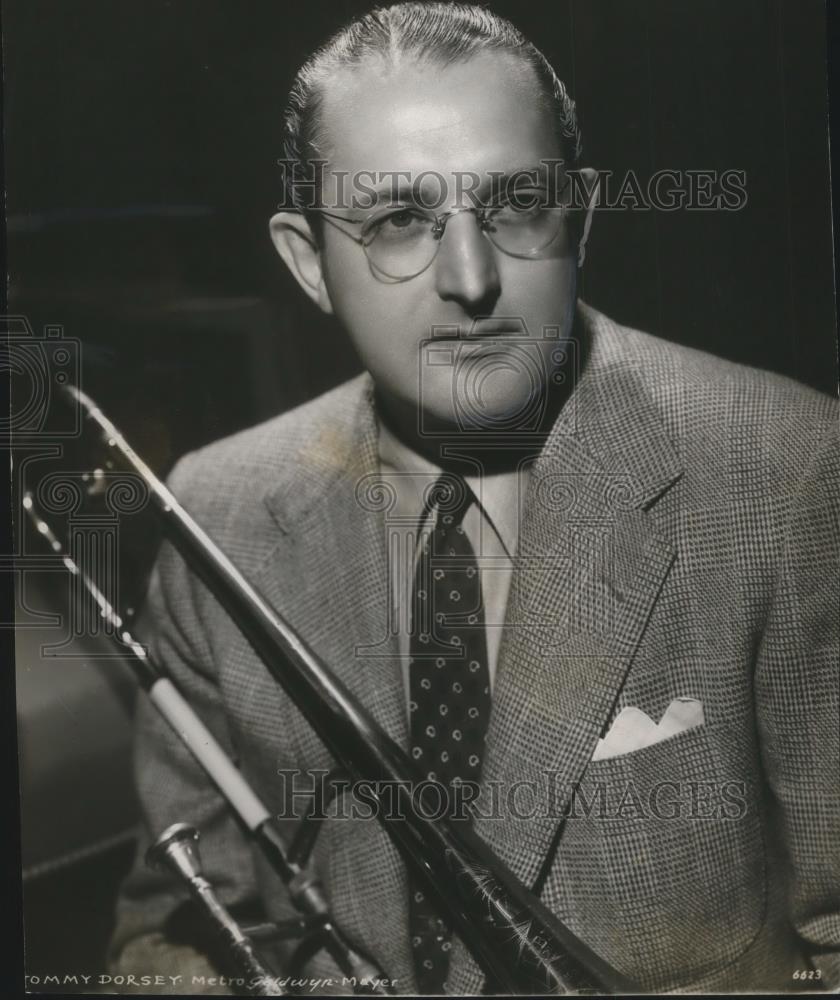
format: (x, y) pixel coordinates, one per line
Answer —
(438, 231)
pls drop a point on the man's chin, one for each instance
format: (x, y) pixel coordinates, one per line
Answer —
(447, 417)
(501, 418)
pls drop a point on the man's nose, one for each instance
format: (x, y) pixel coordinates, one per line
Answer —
(466, 269)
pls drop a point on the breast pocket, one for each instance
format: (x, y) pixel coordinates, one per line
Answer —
(661, 863)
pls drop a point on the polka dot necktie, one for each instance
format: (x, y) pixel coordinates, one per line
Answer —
(449, 689)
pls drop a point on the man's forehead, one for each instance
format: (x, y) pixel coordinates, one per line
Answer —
(479, 115)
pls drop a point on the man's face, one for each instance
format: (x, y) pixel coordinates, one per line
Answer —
(480, 117)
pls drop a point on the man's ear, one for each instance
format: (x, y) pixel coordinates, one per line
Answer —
(294, 240)
(592, 186)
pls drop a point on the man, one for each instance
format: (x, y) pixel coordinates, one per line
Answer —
(633, 645)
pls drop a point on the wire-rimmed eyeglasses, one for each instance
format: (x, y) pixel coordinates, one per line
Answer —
(402, 241)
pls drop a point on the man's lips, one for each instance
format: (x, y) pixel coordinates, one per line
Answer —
(483, 329)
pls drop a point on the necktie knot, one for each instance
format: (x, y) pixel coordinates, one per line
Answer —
(449, 497)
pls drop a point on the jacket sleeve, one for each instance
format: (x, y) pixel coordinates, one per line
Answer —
(797, 693)
(172, 787)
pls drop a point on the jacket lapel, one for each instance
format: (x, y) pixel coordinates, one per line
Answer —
(327, 574)
(590, 565)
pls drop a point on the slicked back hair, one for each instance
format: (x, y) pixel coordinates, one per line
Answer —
(439, 34)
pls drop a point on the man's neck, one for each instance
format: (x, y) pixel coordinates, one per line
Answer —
(456, 450)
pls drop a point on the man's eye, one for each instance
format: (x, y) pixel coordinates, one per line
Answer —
(523, 208)
(401, 220)
(397, 224)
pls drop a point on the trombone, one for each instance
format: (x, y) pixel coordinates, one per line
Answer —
(176, 849)
(519, 944)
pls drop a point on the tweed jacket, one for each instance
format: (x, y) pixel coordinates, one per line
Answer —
(679, 539)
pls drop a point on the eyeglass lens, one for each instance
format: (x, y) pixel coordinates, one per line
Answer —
(403, 242)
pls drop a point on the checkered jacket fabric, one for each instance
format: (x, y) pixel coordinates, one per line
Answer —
(679, 538)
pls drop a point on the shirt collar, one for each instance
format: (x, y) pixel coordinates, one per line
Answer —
(499, 494)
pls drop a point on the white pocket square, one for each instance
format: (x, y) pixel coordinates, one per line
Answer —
(633, 730)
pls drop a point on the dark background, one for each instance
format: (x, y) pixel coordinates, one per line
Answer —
(141, 140)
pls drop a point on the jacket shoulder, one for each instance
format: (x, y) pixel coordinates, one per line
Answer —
(725, 418)
(238, 469)
(695, 389)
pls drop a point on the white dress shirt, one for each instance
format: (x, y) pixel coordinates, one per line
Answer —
(492, 526)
